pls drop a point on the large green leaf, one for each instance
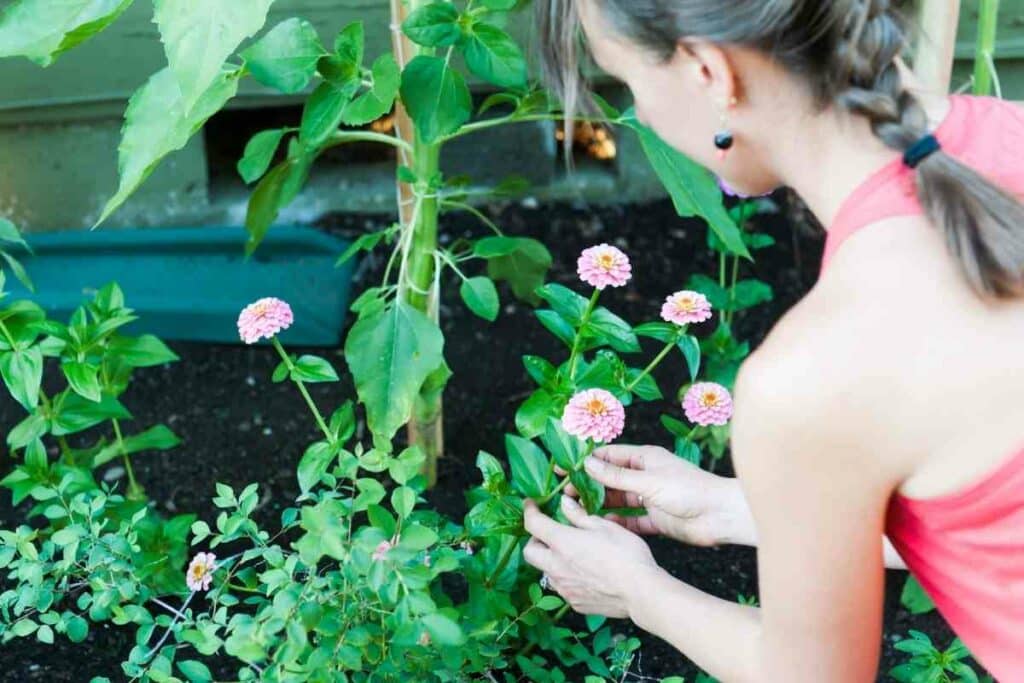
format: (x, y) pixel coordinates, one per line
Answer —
(42, 29)
(529, 466)
(22, 372)
(158, 438)
(75, 413)
(285, 58)
(433, 25)
(391, 353)
(492, 54)
(157, 123)
(379, 99)
(520, 261)
(436, 96)
(200, 35)
(693, 188)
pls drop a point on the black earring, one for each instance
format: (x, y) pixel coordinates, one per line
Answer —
(724, 140)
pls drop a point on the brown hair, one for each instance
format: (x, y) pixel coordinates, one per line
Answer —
(846, 52)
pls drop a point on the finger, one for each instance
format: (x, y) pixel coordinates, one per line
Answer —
(538, 555)
(643, 526)
(541, 526)
(571, 491)
(616, 477)
(559, 471)
(630, 457)
(575, 513)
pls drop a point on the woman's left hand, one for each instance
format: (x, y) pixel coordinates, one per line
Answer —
(595, 565)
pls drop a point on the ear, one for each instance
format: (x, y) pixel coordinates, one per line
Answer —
(713, 70)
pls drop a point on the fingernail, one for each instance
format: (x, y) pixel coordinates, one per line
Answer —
(569, 503)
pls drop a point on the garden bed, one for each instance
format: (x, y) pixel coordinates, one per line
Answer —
(238, 427)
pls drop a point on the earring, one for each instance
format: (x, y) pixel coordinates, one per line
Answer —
(724, 139)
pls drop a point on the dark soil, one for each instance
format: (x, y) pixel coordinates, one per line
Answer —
(238, 427)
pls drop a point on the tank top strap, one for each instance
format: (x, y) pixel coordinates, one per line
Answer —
(891, 191)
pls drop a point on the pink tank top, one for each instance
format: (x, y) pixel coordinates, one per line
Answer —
(967, 548)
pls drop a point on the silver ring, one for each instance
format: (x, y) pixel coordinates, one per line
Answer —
(640, 499)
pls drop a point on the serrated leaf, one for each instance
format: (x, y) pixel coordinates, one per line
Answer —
(436, 97)
(200, 35)
(43, 29)
(286, 57)
(492, 55)
(158, 123)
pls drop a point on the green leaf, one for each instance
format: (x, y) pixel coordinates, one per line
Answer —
(157, 123)
(83, 378)
(557, 325)
(540, 370)
(525, 267)
(663, 332)
(314, 464)
(391, 353)
(321, 115)
(750, 293)
(443, 631)
(529, 466)
(533, 414)
(717, 295)
(43, 29)
(694, 189)
(566, 450)
(31, 428)
(19, 272)
(481, 297)
(567, 303)
(22, 371)
(492, 55)
(264, 204)
(142, 352)
(259, 152)
(77, 628)
(417, 537)
(195, 671)
(9, 233)
(436, 97)
(75, 414)
(365, 242)
(914, 597)
(403, 500)
(200, 35)
(690, 348)
(492, 471)
(314, 369)
(286, 57)
(495, 517)
(379, 99)
(591, 492)
(433, 25)
(612, 330)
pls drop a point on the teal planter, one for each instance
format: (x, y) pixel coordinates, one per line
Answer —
(191, 283)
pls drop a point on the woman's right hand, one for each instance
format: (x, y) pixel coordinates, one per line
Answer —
(681, 500)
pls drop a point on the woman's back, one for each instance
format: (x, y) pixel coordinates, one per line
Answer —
(949, 386)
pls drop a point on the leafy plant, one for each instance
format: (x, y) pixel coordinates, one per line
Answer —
(931, 664)
(207, 57)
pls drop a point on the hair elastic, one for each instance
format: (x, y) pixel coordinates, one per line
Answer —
(921, 150)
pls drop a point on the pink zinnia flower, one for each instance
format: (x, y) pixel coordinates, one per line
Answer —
(594, 414)
(200, 571)
(707, 403)
(686, 307)
(603, 266)
(264, 319)
(381, 552)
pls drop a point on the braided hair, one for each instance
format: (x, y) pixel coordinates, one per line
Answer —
(846, 52)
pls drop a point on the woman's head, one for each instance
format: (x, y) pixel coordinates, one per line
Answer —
(695, 65)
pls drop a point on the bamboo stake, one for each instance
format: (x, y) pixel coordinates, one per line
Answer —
(933, 63)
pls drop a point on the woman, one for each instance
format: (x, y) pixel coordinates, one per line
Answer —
(889, 401)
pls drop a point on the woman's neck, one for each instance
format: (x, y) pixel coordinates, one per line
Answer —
(828, 155)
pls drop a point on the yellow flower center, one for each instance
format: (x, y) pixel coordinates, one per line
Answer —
(686, 304)
(606, 260)
(596, 407)
(709, 399)
(198, 571)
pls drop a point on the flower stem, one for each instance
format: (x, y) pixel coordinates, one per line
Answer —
(654, 363)
(135, 491)
(302, 390)
(574, 357)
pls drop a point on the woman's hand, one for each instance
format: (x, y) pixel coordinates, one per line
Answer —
(681, 500)
(595, 565)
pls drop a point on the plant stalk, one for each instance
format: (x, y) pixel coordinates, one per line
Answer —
(302, 390)
(984, 62)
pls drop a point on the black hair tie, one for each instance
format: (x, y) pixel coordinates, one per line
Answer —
(921, 150)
